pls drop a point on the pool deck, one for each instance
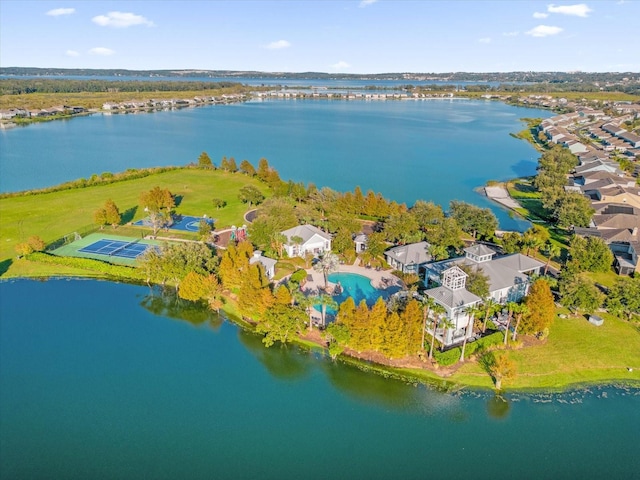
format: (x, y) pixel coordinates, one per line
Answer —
(380, 279)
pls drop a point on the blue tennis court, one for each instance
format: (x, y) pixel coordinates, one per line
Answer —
(186, 223)
(116, 248)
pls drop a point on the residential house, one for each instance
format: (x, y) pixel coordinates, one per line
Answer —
(360, 242)
(408, 258)
(269, 264)
(508, 275)
(305, 239)
(456, 299)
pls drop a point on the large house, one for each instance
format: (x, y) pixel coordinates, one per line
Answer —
(305, 239)
(455, 299)
(507, 275)
(408, 258)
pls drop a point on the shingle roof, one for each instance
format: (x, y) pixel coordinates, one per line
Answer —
(305, 232)
(412, 253)
(452, 298)
(480, 250)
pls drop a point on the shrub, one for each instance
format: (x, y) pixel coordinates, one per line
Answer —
(447, 358)
(119, 271)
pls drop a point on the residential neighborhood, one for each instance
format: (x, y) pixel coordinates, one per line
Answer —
(602, 146)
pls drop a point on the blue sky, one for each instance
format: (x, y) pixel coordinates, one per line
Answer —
(350, 36)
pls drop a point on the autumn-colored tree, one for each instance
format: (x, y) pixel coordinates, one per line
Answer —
(192, 287)
(36, 243)
(394, 340)
(23, 249)
(204, 160)
(254, 296)
(112, 213)
(412, 322)
(360, 338)
(247, 168)
(501, 368)
(541, 306)
(234, 262)
(282, 296)
(377, 320)
(100, 217)
(158, 203)
(213, 293)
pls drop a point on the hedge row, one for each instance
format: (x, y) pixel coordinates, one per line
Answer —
(119, 271)
(105, 178)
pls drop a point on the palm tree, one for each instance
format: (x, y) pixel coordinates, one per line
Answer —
(437, 310)
(473, 311)
(552, 250)
(446, 323)
(427, 304)
(325, 301)
(327, 264)
(511, 308)
(490, 307)
(520, 312)
(305, 302)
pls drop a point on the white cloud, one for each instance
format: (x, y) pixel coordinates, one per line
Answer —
(56, 12)
(510, 34)
(278, 44)
(121, 20)
(540, 15)
(578, 10)
(484, 40)
(340, 65)
(72, 53)
(544, 31)
(102, 51)
(366, 3)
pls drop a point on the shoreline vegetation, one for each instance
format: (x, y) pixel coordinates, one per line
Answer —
(562, 360)
(574, 370)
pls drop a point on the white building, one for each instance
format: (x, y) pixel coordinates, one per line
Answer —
(305, 239)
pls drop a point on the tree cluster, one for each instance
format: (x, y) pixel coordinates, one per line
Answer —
(394, 333)
(566, 208)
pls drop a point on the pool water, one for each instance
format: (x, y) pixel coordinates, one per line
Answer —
(357, 287)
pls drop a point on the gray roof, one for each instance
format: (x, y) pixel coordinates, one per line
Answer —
(453, 298)
(503, 272)
(412, 253)
(305, 232)
(480, 250)
(266, 262)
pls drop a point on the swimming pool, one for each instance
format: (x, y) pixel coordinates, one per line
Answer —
(357, 287)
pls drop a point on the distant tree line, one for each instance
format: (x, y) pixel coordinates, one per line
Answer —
(17, 86)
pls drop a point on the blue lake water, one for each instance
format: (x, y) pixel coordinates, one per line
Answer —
(105, 380)
(438, 150)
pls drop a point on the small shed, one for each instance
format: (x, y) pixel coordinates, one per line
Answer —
(596, 320)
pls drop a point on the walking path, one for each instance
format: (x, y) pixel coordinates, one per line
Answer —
(498, 193)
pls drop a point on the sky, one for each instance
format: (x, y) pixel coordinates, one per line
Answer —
(346, 36)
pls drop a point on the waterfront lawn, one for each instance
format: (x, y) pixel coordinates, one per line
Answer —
(53, 215)
(576, 352)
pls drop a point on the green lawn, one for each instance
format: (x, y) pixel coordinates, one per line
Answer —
(52, 215)
(576, 352)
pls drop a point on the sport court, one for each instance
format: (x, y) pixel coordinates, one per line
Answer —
(107, 247)
(116, 248)
(185, 223)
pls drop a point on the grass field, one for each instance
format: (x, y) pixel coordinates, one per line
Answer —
(53, 215)
(576, 352)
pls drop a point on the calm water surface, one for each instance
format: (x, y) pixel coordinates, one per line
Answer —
(97, 380)
(438, 150)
